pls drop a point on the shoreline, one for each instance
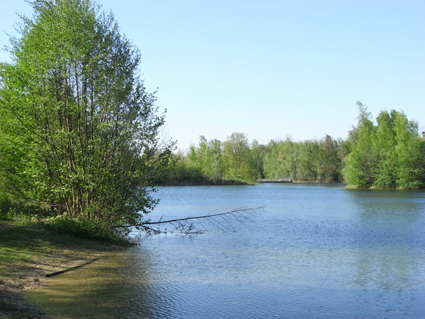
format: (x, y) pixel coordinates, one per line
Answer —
(27, 254)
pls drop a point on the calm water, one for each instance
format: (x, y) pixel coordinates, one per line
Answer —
(317, 251)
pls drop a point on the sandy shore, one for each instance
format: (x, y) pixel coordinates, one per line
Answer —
(27, 255)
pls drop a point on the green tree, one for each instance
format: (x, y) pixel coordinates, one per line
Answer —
(208, 158)
(386, 160)
(237, 158)
(359, 167)
(79, 131)
(307, 163)
(390, 155)
(257, 155)
(328, 167)
(281, 160)
(182, 171)
(409, 152)
(270, 162)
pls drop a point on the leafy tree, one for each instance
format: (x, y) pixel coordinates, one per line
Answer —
(183, 171)
(257, 155)
(237, 157)
(386, 160)
(390, 155)
(208, 158)
(328, 161)
(304, 161)
(282, 160)
(79, 131)
(360, 163)
(270, 162)
(307, 163)
(409, 151)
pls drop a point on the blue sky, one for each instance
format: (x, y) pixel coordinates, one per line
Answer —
(271, 69)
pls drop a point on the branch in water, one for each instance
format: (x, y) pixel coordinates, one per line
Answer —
(222, 221)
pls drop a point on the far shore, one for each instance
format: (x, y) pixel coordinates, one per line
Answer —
(235, 182)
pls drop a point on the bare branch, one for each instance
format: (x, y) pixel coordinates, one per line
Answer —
(234, 212)
(222, 221)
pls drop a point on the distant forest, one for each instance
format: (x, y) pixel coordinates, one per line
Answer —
(389, 154)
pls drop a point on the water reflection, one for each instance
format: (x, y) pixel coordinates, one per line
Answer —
(389, 217)
(114, 286)
(390, 240)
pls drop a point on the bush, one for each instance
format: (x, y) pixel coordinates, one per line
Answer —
(79, 227)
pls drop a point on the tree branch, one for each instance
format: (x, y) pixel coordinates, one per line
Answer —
(72, 268)
(240, 215)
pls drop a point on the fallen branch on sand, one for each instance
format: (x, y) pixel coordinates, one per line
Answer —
(72, 268)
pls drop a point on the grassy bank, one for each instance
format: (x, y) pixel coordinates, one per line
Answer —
(27, 253)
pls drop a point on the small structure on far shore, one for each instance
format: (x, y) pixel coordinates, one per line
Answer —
(280, 180)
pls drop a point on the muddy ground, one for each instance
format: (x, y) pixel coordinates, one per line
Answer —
(27, 254)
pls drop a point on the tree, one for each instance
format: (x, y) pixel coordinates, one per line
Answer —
(409, 152)
(79, 131)
(281, 160)
(270, 162)
(257, 155)
(389, 155)
(360, 163)
(208, 158)
(386, 160)
(307, 163)
(237, 157)
(328, 160)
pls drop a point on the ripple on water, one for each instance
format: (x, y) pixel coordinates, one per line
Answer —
(317, 252)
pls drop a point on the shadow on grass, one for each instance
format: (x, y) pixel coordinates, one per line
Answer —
(27, 254)
(14, 306)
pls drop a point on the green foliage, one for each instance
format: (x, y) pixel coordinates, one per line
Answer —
(208, 159)
(410, 154)
(329, 163)
(308, 161)
(77, 227)
(79, 132)
(360, 163)
(281, 160)
(237, 157)
(389, 155)
(386, 160)
(305, 161)
(183, 172)
(6, 215)
(214, 162)
(256, 158)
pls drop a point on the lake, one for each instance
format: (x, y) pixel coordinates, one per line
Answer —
(315, 251)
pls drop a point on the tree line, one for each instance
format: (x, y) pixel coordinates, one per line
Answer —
(238, 160)
(389, 154)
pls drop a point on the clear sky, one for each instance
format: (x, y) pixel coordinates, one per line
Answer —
(271, 68)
